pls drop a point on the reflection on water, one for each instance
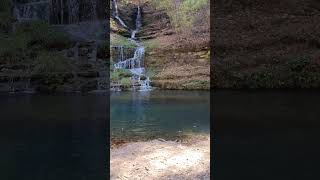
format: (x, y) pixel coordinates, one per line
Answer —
(266, 135)
(53, 137)
(159, 113)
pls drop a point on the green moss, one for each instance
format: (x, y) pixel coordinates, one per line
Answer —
(117, 40)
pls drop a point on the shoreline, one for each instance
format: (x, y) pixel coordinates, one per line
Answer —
(160, 159)
(186, 139)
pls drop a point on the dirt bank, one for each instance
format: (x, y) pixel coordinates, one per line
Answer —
(266, 44)
(160, 159)
(179, 61)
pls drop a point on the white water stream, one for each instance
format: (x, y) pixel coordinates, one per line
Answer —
(135, 64)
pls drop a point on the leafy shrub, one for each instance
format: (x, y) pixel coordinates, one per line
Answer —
(5, 14)
(262, 79)
(118, 74)
(51, 62)
(298, 64)
(40, 33)
(125, 82)
(13, 48)
(184, 13)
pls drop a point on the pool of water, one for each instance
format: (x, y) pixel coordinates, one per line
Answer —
(159, 113)
(266, 134)
(53, 136)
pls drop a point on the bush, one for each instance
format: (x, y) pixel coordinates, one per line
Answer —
(125, 82)
(51, 62)
(5, 14)
(13, 48)
(184, 13)
(298, 64)
(118, 74)
(40, 33)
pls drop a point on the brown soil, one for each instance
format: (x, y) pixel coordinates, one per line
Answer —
(160, 159)
(259, 43)
(180, 61)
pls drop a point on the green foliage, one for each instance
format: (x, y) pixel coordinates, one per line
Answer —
(118, 74)
(13, 47)
(5, 14)
(51, 62)
(125, 82)
(263, 79)
(117, 40)
(183, 13)
(298, 64)
(41, 34)
(29, 39)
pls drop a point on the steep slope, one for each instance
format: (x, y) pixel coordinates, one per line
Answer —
(266, 44)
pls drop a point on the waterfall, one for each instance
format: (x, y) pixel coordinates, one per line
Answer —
(138, 24)
(33, 10)
(131, 63)
(135, 64)
(115, 13)
(73, 9)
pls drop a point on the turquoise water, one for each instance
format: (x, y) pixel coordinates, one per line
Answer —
(159, 113)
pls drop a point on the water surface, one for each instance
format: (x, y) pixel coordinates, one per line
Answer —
(266, 134)
(53, 136)
(159, 113)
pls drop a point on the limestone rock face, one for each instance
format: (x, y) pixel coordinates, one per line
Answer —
(60, 11)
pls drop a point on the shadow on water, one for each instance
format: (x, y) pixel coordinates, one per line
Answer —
(53, 137)
(266, 135)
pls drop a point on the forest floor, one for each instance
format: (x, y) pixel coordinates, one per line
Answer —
(159, 159)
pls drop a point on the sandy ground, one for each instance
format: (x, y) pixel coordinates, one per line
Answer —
(159, 159)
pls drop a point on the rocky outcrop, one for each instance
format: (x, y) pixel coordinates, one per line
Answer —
(85, 73)
(155, 23)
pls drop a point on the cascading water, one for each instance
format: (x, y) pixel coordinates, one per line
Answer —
(115, 13)
(32, 10)
(134, 64)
